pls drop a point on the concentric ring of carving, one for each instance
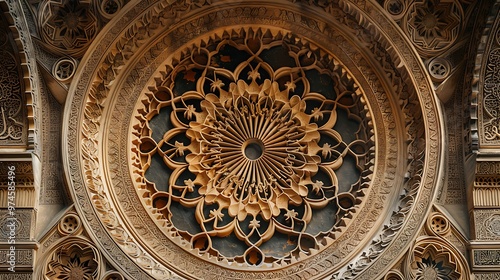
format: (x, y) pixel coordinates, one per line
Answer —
(261, 143)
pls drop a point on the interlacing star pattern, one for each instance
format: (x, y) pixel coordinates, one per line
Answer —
(252, 137)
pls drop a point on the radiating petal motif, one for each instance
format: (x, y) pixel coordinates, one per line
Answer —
(252, 149)
(74, 262)
(434, 261)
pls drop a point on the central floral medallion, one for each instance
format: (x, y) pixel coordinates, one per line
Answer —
(257, 149)
(254, 149)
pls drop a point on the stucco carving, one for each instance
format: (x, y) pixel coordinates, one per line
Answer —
(486, 276)
(257, 160)
(485, 224)
(13, 130)
(438, 224)
(70, 224)
(432, 26)
(488, 88)
(27, 71)
(486, 257)
(433, 258)
(73, 259)
(24, 221)
(64, 69)
(96, 82)
(68, 26)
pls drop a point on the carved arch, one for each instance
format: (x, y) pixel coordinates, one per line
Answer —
(21, 123)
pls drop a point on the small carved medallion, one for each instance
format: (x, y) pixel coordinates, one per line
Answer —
(439, 69)
(434, 261)
(64, 69)
(67, 25)
(433, 25)
(493, 224)
(69, 224)
(73, 260)
(108, 8)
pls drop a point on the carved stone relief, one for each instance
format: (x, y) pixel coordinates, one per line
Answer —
(394, 275)
(435, 267)
(258, 161)
(13, 130)
(161, 79)
(52, 190)
(109, 8)
(198, 150)
(73, 259)
(486, 224)
(16, 276)
(25, 224)
(486, 185)
(438, 224)
(70, 224)
(486, 257)
(432, 26)
(68, 27)
(113, 275)
(27, 75)
(433, 258)
(486, 276)
(64, 69)
(21, 173)
(489, 88)
(493, 224)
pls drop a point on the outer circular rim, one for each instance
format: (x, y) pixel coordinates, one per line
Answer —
(376, 19)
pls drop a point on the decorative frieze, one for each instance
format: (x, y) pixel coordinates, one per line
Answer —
(16, 276)
(486, 258)
(491, 168)
(24, 259)
(486, 197)
(486, 276)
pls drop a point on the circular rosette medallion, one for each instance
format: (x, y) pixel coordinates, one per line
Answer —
(255, 149)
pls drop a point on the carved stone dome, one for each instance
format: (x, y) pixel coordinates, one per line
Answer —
(236, 140)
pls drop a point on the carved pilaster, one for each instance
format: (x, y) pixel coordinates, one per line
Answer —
(485, 216)
(17, 186)
(485, 190)
(17, 215)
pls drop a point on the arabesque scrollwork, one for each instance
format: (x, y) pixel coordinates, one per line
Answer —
(253, 148)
